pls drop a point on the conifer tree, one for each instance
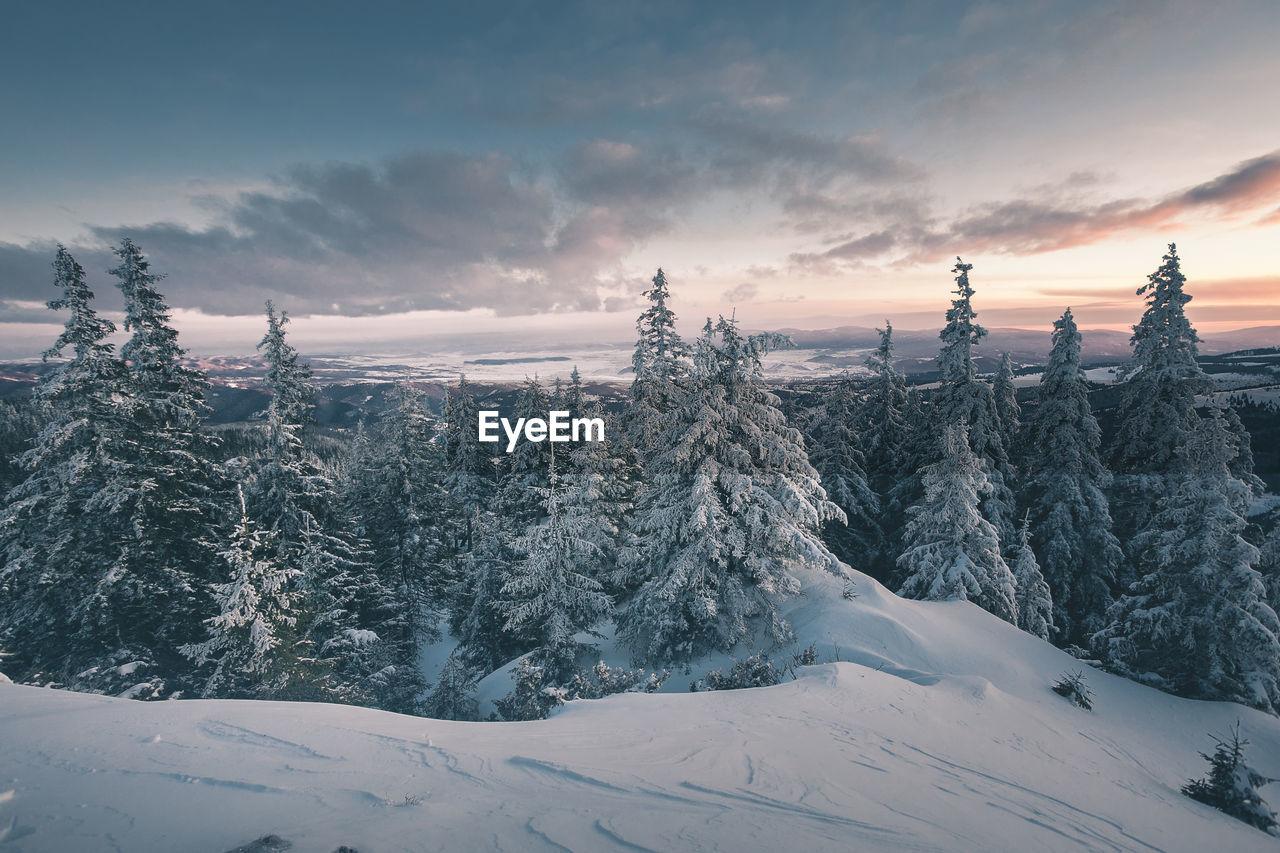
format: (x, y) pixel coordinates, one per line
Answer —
(661, 365)
(1157, 411)
(1269, 567)
(1008, 412)
(1197, 623)
(453, 697)
(731, 509)
(919, 449)
(402, 509)
(952, 551)
(1242, 445)
(348, 609)
(1035, 603)
(885, 430)
(525, 468)
(598, 481)
(1232, 785)
(479, 618)
(19, 426)
(964, 400)
(1065, 493)
(167, 496)
(249, 649)
(469, 471)
(576, 395)
(403, 515)
(837, 456)
(552, 591)
(53, 561)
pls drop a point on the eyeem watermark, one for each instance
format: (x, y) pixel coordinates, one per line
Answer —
(558, 427)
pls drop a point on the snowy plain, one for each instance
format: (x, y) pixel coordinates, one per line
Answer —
(933, 728)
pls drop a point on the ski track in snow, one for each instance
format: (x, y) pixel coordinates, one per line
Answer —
(938, 731)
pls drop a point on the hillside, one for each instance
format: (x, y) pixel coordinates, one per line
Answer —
(936, 730)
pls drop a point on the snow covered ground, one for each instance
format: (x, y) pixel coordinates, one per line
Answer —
(935, 731)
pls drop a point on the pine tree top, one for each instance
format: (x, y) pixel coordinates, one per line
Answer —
(961, 333)
(1164, 339)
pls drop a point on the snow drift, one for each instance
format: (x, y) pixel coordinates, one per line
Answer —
(936, 729)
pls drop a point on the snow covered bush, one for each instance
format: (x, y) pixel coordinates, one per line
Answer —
(756, 671)
(530, 699)
(1071, 685)
(603, 680)
(454, 695)
(1232, 785)
(807, 656)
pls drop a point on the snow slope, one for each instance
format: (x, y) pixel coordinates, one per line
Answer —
(937, 731)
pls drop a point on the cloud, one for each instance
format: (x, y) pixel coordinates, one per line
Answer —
(744, 292)
(1032, 225)
(431, 230)
(603, 171)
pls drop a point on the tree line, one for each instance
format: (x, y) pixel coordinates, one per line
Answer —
(140, 557)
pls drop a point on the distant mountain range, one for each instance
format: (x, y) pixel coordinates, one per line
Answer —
(824, 352)
(918, 347)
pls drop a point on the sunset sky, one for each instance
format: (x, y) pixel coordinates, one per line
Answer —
(456, 167)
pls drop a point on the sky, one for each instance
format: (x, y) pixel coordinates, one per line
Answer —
(386, 169)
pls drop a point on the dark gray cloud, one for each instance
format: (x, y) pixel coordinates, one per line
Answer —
(424, 231)
(449, 230)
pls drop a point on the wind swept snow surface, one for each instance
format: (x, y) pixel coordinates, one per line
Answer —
(937, 731)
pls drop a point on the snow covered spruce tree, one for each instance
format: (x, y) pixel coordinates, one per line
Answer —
(884, 425)
(1008, 412)
(469, 476)
(479, 616)
(19, 425)
(836, 454)
(403, 514)
(1232, 784)
(598, 480)
(168, 495)
(661, 365)
(524, 469)
(1269, 567)
(964, 400)
(886, 440)
(919, 450)
(454, 694)
(952, 551)
(347, 608)
(53, 561)
(1035, 602)
(552, 591)
(250, 652)
(732, 507)
(1197, 623)
(1064, 491)
(1157, 411)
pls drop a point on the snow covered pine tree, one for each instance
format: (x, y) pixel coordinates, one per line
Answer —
(732, 505)
(953, 552)
(1197, 623)
(964, 400)
(1064, 490)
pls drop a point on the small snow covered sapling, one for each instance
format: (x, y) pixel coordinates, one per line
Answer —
(1232, 785)
(603, 680)
(756, 671)
(1071, 685)
(807, 656)
(529, 699)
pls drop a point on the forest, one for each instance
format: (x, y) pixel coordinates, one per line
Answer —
(147, 555)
